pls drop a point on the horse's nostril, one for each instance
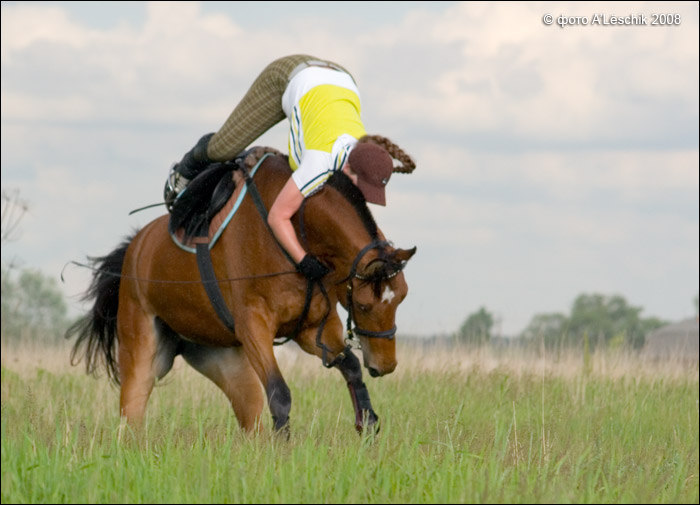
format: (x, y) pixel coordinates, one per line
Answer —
(374, 372)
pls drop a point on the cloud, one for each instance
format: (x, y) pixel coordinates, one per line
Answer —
(26, 25)
(549, 160)
(511, 76)
(491, 70)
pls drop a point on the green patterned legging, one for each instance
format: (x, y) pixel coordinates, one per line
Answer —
(260, 109)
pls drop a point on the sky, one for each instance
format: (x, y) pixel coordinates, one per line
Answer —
(551, 160)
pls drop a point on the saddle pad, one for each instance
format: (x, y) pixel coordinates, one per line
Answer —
(219, 222)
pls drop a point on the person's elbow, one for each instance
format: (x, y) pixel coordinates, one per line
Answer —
(285, 206)
(273, 218)
(276, 218)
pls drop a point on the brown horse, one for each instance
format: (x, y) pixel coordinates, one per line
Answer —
(150, 304)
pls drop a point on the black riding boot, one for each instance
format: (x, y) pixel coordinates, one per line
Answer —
(192, 163)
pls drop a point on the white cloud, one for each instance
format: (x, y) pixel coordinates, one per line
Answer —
(25, 25)
(549, 160)
(517, 76)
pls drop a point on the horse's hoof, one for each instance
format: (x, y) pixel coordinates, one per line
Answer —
(369, 425)
(283, 431)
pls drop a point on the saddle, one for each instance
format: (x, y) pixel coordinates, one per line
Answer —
(204, 209)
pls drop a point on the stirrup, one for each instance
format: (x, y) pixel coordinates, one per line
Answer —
(174, 186)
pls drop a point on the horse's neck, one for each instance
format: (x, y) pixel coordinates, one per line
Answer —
(331, 225)
(335, 228)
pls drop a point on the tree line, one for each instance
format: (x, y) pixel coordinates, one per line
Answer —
(595, 320)
(34, 308)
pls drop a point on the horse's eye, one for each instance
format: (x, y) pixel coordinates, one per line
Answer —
(364, 307)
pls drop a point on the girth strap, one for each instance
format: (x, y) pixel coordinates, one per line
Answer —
(211, 285)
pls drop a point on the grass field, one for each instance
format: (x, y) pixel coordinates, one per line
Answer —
(457, 426)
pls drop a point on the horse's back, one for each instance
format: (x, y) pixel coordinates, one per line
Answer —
(164, 278)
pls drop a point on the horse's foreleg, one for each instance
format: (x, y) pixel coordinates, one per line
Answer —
(229, 368)
(365, 417)
(279, 398)
(257, 339)
(348, 365)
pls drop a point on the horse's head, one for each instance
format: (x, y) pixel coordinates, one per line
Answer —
(368, 270)
(373, 291)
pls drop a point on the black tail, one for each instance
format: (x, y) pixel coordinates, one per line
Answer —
(97, 330)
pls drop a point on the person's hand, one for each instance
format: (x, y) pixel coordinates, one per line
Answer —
(312, 268)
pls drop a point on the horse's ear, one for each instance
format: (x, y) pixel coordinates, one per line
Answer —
(373, 268)
(403, 255)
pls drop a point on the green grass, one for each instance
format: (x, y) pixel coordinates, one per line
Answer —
(456, 427)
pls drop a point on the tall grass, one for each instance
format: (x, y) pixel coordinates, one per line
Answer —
(456, 426)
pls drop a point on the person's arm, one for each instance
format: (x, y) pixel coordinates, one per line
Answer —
(287, 203)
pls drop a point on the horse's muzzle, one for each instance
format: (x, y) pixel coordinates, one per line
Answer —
(374, 372)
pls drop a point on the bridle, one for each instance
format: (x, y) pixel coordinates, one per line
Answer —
(350, 331)
(350, 339)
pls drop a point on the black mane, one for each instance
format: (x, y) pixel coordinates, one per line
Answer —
(352, 193)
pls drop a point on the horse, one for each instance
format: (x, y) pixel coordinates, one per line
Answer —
(151, 305)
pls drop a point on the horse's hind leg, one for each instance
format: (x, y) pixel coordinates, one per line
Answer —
(229, 368)
(143, 358)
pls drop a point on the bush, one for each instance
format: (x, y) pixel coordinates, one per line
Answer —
(33, 307)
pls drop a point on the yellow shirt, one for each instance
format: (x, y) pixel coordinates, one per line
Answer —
(324, 112)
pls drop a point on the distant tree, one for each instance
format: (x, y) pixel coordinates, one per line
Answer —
(33, 307)
(552, 328)
(649, 324)
(596, 319)
(476, 329)
(605, 318)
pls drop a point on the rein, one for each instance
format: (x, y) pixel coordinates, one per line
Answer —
(350, 338)
(165, 281)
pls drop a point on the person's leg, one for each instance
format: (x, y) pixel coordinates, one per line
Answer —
(258, 111)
